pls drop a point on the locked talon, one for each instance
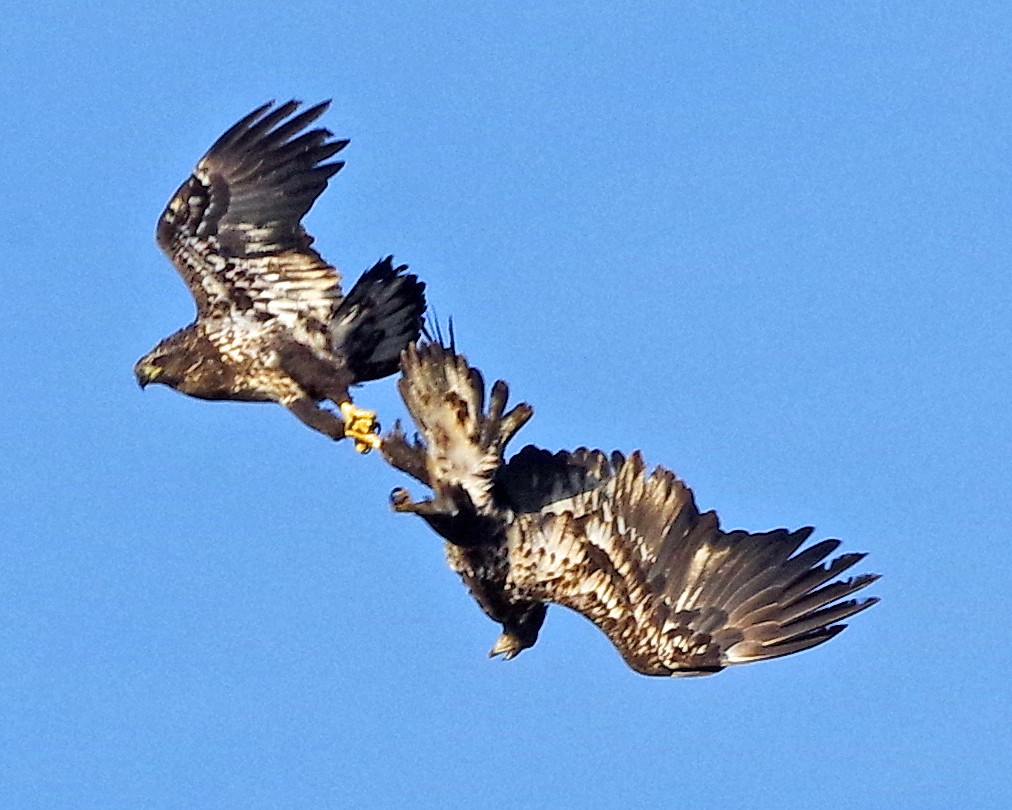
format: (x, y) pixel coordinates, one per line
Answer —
(367, 442)
(360, 426)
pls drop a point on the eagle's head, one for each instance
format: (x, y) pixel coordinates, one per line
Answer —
(163, 364)
(185, 361)
(520, 630)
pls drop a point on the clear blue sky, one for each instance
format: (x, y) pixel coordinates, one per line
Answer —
(770, 247)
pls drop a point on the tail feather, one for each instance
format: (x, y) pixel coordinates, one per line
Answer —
(380, 316)
(463, 439)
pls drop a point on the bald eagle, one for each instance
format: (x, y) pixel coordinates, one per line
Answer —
(601, 534)
(272, 324)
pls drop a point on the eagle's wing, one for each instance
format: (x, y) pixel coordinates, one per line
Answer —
(463, 440)
(233, 228)
(535, 480)
(674, 593)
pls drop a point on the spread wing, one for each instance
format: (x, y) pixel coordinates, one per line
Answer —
(673, 592)
(463, 441)
(233, 229)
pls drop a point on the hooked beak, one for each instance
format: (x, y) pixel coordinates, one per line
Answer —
(146, 373)
(507, 645)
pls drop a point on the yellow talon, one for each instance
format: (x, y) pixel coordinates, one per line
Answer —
(361, 426)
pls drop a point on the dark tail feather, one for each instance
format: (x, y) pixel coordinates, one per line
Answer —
(432, 331)
(380, 316)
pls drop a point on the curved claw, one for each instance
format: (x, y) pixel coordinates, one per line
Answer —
(400, 500)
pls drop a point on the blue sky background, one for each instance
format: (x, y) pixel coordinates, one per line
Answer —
(769, 246)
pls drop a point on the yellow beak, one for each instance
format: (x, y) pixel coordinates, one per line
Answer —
(146, 373)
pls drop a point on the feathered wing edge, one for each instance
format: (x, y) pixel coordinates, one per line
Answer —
(269, 173)
(674, 593)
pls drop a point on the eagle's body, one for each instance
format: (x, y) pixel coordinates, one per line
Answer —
(235, 361)
(272, 324)
(599, 534)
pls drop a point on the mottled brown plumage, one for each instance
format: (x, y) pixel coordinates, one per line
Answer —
(602, 535)
(272, 324)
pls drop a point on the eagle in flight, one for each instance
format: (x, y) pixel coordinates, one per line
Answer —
(601, 534)
(272, 324)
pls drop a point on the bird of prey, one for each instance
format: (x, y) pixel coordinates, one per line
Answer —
(272, 324)
(601, 534)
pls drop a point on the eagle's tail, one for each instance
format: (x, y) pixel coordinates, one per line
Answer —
(463, 436)
(381, 315)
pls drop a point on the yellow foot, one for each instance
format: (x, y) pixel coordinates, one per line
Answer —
(361, 426)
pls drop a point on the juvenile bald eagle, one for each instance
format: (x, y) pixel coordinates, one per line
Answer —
(600, 534)
(272, 325)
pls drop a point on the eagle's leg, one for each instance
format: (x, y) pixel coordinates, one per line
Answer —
(326, 380)
(361, 426)
(401, 501)
(404, 456)
(319, 419)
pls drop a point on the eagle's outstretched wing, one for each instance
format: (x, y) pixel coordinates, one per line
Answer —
(233, 229)
(675, 594)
